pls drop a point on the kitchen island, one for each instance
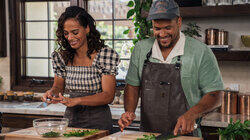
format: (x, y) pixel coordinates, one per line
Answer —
(21, 115)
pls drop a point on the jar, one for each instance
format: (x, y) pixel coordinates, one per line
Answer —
(28, 96)
(244, 104)
(229, 102)
(10, 96)
(1, 96)
(20, 96)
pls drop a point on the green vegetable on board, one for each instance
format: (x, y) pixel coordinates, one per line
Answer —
(80, 133)
(51, 134)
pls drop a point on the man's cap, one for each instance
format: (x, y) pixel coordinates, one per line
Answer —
(163, 9)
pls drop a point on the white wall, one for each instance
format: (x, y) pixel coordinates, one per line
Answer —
(5, 61)
(232, 71)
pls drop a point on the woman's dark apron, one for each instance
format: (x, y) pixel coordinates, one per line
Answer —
(162, 98)
(93, 117)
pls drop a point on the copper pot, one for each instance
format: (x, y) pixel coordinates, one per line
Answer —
(229, 102)
(211, 36)
(244, 104)
(222, 37)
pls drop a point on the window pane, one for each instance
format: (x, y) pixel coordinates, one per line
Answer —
(36, 30)
(122, 69)
(123, 48)
(52, 46)
(52, 30)
(37, 67)
(105, 28)
(36, 48)
(57, 8)
(121, 9)
(121, 26)
(36, 10)
(100, 9)
(51, 72)
(109, 43)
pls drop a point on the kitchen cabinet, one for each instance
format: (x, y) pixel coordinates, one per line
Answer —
(220, 11)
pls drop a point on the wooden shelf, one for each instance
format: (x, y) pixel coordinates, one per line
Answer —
(232, 55)
(215, 11)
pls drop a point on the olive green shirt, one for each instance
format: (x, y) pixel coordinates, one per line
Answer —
(199, 69)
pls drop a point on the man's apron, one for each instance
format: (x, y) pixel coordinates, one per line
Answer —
(162, 98)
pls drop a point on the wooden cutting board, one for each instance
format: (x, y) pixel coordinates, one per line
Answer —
(30, 134)
(127, 135)
(133, 135)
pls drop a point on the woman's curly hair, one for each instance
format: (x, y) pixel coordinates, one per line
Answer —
(94, 41)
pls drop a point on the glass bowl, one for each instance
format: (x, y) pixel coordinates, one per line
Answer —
(49, 125)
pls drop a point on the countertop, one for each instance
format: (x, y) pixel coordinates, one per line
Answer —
(213, 119)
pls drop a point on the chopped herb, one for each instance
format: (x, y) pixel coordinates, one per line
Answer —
(51, 134)
(80, 133)
(148, 137)
(153, 137)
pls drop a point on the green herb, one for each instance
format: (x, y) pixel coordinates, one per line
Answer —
(235, 130)
(153, 137)
(148, 137)
(80, 133)
(51, 134)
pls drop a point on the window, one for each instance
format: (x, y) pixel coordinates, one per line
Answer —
(33, 37)
(111, 21)
(39, 23)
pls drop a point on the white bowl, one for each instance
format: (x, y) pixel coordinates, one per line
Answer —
(58, 125)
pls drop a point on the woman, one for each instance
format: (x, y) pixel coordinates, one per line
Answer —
(85, 70)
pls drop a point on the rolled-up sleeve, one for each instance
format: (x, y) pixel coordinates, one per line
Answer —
(209, 74)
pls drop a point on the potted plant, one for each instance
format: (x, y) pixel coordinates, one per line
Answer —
(235, 131)
(0, 80)
(192, 30)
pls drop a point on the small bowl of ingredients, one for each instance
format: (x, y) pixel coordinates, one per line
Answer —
(1, 96)
(28, 96)
(10, 96)
(50, 127)
(20, 96)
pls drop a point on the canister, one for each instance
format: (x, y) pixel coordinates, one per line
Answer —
(229, 102)
(211, 36)
(222, 37)
(244, 104)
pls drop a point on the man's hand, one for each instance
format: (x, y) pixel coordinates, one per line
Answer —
(126, 119)
(185, 124)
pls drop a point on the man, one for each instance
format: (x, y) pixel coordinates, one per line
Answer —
(178, 77)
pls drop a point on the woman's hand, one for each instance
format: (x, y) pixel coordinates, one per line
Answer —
(69, 102)
(48, 97)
